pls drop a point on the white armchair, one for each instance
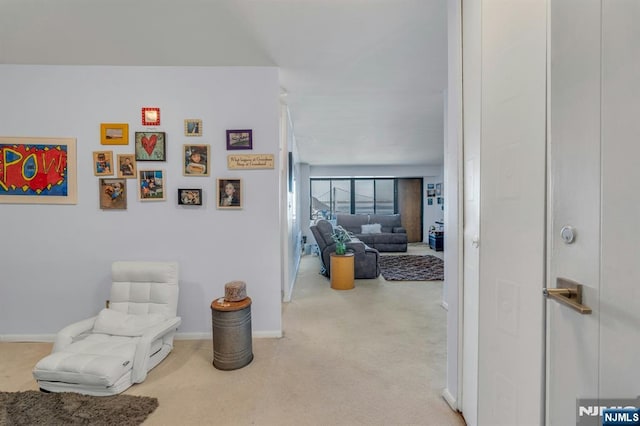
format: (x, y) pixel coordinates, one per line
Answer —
(106, 354)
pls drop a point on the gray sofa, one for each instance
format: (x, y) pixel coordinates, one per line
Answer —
(389, 236)
(366, 259)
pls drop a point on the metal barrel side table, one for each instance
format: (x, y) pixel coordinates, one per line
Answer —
(232, 344)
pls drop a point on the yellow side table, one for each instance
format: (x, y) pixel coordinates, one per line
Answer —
(342, 271)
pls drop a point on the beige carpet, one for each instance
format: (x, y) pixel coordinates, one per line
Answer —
(374, 355)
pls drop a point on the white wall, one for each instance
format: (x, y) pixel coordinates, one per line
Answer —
(512, 123)
(55, 260)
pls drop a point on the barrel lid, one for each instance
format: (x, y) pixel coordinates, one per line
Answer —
(223, 305)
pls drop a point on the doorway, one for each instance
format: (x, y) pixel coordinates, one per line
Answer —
(410, 207)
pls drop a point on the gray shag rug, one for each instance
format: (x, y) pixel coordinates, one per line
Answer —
(68, 408)
(409, 267)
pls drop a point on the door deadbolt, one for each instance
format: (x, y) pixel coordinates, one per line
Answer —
(568, 234)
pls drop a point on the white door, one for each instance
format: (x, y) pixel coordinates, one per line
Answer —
(471, 172)
(594, 132)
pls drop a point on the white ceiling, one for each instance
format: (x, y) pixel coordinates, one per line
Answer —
(364, 79)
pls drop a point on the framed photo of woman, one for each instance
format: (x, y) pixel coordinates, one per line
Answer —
(229, 193)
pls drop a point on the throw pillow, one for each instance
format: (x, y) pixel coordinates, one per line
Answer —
(374, 228)
(118, 323)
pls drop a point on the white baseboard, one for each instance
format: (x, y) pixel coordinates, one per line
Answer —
(450, 399)
(27, 337)
(179, 336)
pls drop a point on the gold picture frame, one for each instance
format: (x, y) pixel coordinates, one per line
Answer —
(103, 163)
(127, 166)
(196, 159)
(193, 127)
(114, 134)
(152, 185)
(229, 193)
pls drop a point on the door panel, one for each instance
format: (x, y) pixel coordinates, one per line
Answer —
(471, 62)
(574, 167)
(410, 207)
(620, 289)
(594, 128)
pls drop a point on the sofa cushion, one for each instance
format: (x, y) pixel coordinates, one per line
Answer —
(387, 221)
(374, 228)
(389, 238)
(352, 222)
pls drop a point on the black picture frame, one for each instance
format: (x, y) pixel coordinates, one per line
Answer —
(151, 146)
(189, 196)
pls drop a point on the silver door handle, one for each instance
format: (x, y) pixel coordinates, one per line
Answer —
(569, 293)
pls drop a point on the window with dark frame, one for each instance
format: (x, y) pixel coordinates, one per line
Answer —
(330, 196)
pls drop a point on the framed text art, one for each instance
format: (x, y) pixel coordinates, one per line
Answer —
(192, 127)
(150, 116)
(151, 184)
(240, 139)
(113, 194)
(114, 134)
(229, 193)
(38, 170)
(151, 146)
(196, 160)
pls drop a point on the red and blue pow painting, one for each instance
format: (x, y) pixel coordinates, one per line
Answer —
(34, 170)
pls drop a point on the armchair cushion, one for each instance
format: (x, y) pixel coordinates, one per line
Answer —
(117, 323)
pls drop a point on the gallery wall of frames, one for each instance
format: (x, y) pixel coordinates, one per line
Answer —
(102, 163)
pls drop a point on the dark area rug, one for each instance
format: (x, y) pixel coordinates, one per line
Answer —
(68, 408)
(408, 267)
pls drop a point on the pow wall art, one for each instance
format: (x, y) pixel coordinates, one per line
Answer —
(38, 171)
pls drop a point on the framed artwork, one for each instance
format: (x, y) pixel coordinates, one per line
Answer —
(430, 201)
(114, 134)
(127, 166)
(431, 192)
(150, 116)
(189, 196)
(430, 186)
(151, 185)
(196, 160)
(440, 200)
(113, 194)
(38, 170)
(151, 146)
(438, 189)
(229, 193)
(103, 163)
(240, 139)
(192, 127)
